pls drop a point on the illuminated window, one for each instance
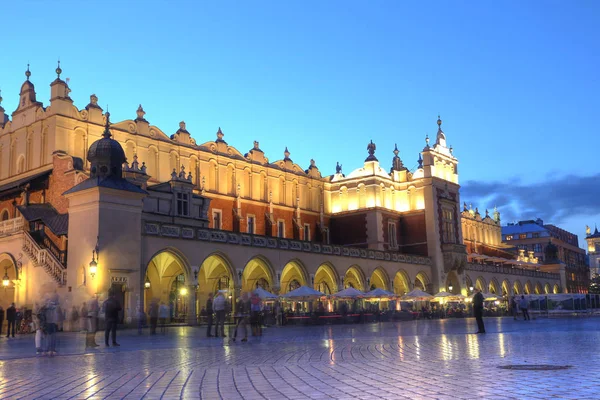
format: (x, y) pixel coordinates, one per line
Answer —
(217, 219)
(251, 224)
(509, 237)
(307, 232)
(523, 236)
(392, 241)
(183, 208)
(448, 226)
(281, 229)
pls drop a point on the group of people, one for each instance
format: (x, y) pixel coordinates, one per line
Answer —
(248, 311)
(157, 312)
(520, 304)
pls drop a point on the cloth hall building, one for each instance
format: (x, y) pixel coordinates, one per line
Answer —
(87, 203)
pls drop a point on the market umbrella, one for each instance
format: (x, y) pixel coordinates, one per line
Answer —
(378, 293)
(349, 293)
(264, 295)
(417, 294)
(303, 293)
(443, 294)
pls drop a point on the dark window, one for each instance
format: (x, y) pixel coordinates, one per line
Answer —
(307, 232)
(216, 219)
(281, 229)
(448, 226)
(537, 247)
(251, 224)
(183, 204)
(393, 243)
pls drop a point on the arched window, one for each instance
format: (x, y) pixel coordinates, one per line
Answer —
(4, 215)
(263, 283)
(21, 164)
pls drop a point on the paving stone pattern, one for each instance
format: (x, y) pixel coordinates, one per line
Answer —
(405, 360)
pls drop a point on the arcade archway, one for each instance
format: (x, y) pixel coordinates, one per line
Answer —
(517, 288)
(421, 281)
(168, 283)
(401, 283)
(326, 279)
(258, 272)
(480, 284)
(293, 276)
(215, 274)
(379, 280)
(452, 283)
(8, 270)
(354, 278)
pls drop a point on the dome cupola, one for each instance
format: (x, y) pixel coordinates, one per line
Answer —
(106, 155)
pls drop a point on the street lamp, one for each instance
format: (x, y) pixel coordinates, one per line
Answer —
(183, 291)
(450, 288)
(5, 279)
(147, 283)
(93, 265)
(471, 288)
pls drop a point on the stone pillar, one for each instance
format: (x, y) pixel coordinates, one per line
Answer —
(191, 305)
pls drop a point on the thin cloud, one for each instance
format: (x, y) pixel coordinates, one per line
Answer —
(553, 200)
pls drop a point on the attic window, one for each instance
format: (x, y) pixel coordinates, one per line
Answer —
(183, 208)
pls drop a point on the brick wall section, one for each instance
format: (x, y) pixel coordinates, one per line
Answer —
(413, 234)
(60, 183)
(349, 230)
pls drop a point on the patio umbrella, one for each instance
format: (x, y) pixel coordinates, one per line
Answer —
(303, 293)
(417, 294)
(443, 294)
(378, 294)
(264, 295)
(349, 293)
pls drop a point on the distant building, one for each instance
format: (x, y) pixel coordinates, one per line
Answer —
(593, 242)
(531, 238)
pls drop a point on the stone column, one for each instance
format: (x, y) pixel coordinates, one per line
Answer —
(191, 305)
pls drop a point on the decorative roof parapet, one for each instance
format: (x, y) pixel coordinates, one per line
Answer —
(371, 147)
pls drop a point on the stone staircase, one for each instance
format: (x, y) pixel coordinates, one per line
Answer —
(41, 257)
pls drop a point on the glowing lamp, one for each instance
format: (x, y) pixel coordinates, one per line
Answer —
(147, 283)
(471, 288)
(93, 267)
(5, 280)
(450, 288)
(183, 291)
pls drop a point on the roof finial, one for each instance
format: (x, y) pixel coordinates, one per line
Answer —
(439, 122)
(27, 73)
(106, 134)
(338, 168)
(396, 149)
(420, 161)
(371, 147)
(58, 70)
(427, 141)
(286, 153)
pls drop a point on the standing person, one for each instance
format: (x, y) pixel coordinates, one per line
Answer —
(74, 319)
(111, 309)
(1, 319)
(11, 319)
(50, 312)
(94, 310)
(524, 304)
(243, 311)
(91, 321)
(153, 312)
(255, 308)
(219, 307)
(209, 314)
(514, 306)
(85, 318)
(163, 314)
(478, 310)
(39, 321)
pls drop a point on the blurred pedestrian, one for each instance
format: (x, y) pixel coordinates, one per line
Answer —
(85, 318)
(478, 310)
(50, 313)
(255, 308)
(11, 319)
(153, 313)
(209, 314)
(243, 314)
(91, 321)
(74, 319)
(1, 319)
(219, 307)
(163, 315)
(111, 310)
(524, 305)
(514, 306)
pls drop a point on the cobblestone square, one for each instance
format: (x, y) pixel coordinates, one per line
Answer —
(437, 359)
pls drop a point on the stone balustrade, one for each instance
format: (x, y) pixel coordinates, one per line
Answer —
(154, 228)
(502, 269)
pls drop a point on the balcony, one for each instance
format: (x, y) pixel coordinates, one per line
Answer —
(11, 226)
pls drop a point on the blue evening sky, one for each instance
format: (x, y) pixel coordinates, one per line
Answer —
(516, 83)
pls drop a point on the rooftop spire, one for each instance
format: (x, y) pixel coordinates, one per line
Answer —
(106, 134)
(371, 149)
(420, 161)
(439, 122)
(396, 161)
(286, 154)
(27, 73)
(58, 70)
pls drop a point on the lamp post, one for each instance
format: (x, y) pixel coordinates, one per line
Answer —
(147, 283)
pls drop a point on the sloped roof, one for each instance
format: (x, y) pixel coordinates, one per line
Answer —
(58, 223)
(109, 182)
